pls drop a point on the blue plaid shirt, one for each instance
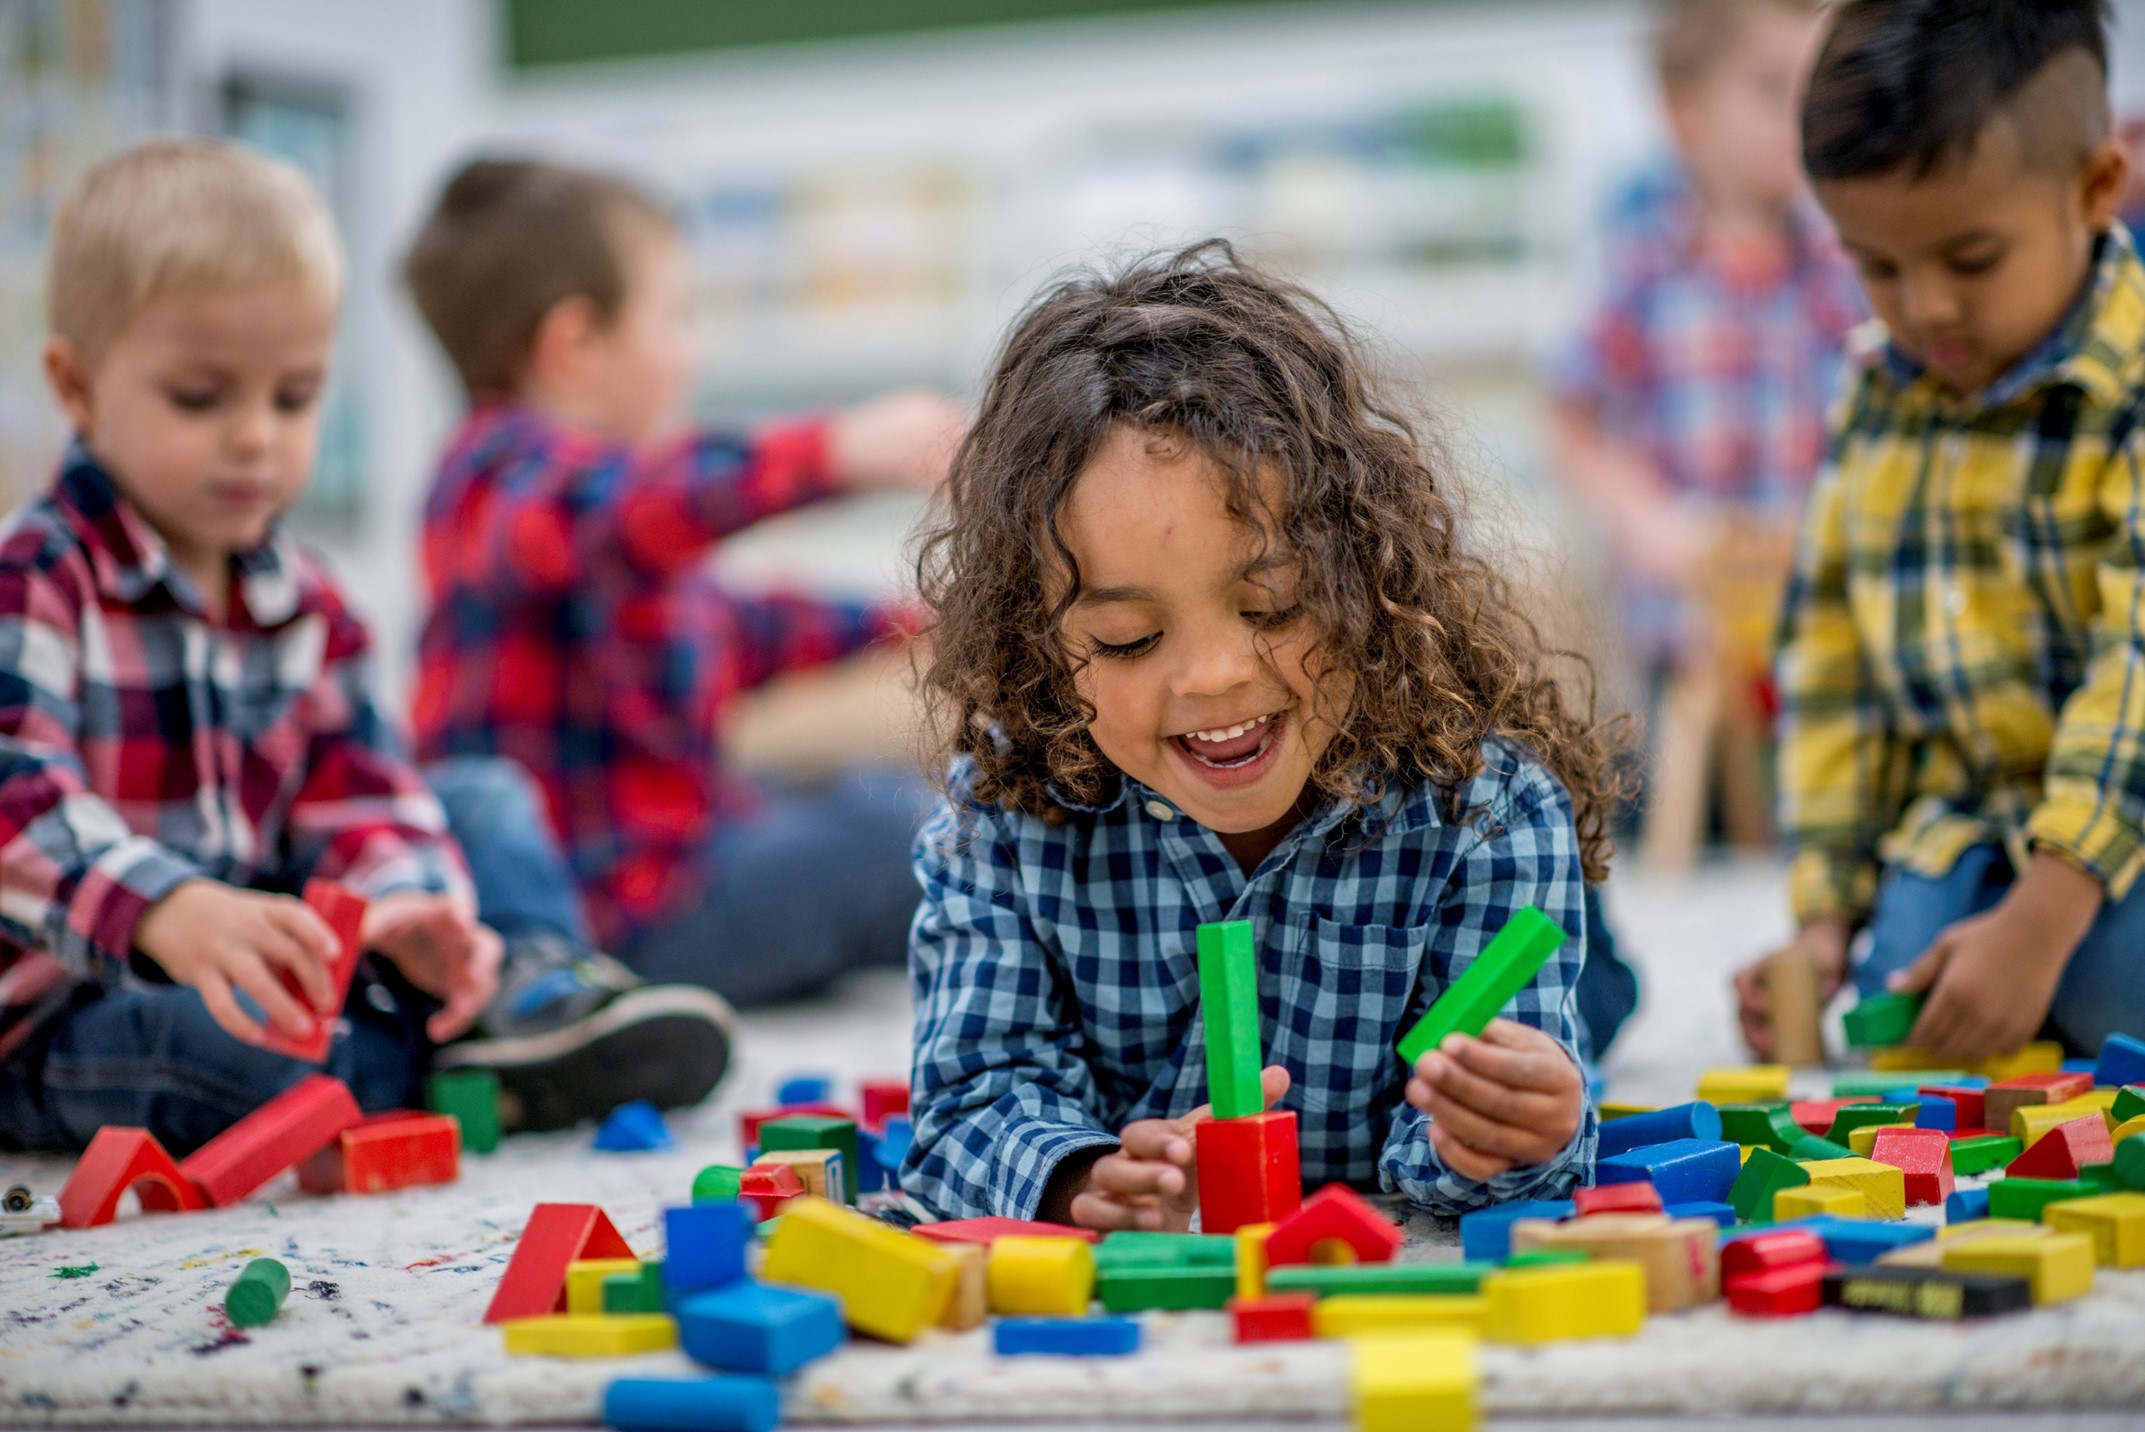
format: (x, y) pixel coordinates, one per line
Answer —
(1055, 975)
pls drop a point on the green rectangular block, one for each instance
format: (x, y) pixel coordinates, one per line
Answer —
(1229, 1003)
(816, 1131)
(2130, 1161)
(1163, 1288)
(1329, 1279)
(1763, 1174)
(2026, 1197)
(1861, 1083)
(1861, 1116)
(1763, 1126)
(1536, 1257)
(1982, 1152)
(1882, 1020)
(1812, 1149)
(471, 1098)
(2129, 1103)
(640, 1292)
(1502, 970)
(717, 1182)
(2103, 1176)
(1128, 1248)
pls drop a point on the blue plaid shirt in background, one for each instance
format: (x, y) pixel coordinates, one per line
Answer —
(1055, 973)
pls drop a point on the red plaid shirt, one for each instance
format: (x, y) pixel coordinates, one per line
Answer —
(574, 629)
(142, 744)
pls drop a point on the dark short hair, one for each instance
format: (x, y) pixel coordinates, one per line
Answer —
(508, 240)
(1905, 85)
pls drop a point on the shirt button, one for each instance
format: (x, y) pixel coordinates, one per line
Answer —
(1160, 810)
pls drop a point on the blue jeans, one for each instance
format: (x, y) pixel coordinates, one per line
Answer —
(811, 885)
(2102, 991)
(150, 1056)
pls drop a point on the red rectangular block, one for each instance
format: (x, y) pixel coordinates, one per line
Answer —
(987, 1231)
(1766, 1252)
(1815, 1116)
(1640, 1197)
(557, 1234)
(284, 1132)
(2064, 1150)
(1970, 1102)
(1778, 1292)
(1923, 1155)
(880, 1097)
(1249, 1170)
(344, 912)
(1277, 1317)
(2006, 1097)
(400, 1149)
(1958, 1134)
(116, 1160)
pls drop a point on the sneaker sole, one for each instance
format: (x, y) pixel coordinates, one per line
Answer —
(667, 1044)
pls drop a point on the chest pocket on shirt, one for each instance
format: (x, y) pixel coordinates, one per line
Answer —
(1343, 993)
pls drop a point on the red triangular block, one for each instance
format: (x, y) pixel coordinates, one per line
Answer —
(285, 1131)
(1640, 1197)
(1334, 1213)
(116, 1160)
(534, 1284)
(2064, 1150)
(344, 912)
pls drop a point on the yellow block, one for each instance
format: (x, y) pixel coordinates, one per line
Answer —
(1561, 1301)
(971, 1302)
(1929, 1253)
(1041, 1276)
(1251, 1260)
(2030, 1123)
(1744, 1155)
(1901, 1059)
(1881, 1185)
(892, 1285)
(1623, 1111)
(1351, 1314)
(2128, 1129)
(1757, 1084)
(1864, 1140)
(584, 1281)
(2114, 1221)
(579, 1335)
(1839, 1202)
(1407, 1382)
(2042, 1056)
(1985, 1227)
(2059, 1265)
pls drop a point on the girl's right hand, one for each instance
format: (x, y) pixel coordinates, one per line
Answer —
(215, 938)
(1825, 941)
(1151, 1182)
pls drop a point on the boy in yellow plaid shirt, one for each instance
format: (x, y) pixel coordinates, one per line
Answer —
(1962, 659)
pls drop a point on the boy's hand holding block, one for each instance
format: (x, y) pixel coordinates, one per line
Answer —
(344, 912)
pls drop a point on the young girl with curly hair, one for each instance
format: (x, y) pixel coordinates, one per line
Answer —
(1210, 645)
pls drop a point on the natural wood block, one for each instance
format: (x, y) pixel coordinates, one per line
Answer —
(970, 1303)
(1679, 1258)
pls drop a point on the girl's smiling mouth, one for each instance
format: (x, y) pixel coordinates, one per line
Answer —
(1233, 755)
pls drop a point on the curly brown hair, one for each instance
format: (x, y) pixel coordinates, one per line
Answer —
(1262, 378)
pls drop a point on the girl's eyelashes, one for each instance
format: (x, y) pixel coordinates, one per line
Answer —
(1123, 649)
(1274, 620)
(193, 400)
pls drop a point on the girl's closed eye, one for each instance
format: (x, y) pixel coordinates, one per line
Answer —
(1274, 618)
(194, 398)
(1123, 649)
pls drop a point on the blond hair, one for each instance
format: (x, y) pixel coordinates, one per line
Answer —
(179, 216)
(1690, 36)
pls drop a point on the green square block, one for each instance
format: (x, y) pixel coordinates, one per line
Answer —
(1861, 1083)
(2026, 1197)
(717, 1182)
(2130, 1161)
(1537, 1257)
(2102, 1176)
(1763, 1126)
(1511, 958)
(815, 1131)
(1164, 1288)
(1329, 1279)
(2129, 1103)
(1983, 1152)
(1131, 1248)
(1229, 1003)
(1811, 1149)
(1882, 1020)
(640, 1292)
(1861, 1116)
(1763, 1174)
(471, 1097)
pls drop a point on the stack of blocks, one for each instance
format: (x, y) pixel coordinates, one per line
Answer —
(1249, 1168)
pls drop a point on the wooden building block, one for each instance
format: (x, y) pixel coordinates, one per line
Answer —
(1348, 1315)
(2059, 1266)
(1855, 1241)
(1229, 1008)
(730, 1402)
(1249, 1170)
(970, 1303)
(1129, 1246)
(1811, 1149)
(1862, 1142)
(640, 1291)
(1778, 1292)
(590, 1335)
(1815, 1116)
(1861, 1116)
(116, 1160)
(1041, 1277)
(1763, 1177)
(816, 1131)
(1614, 1109)
(1763, 1252)
(752, 1328)
(2031, 1124)
(1756, 1083)
(1684, 1170)
(2064, 1150)
(556, 1236)
(634, 1127)
(704, 1246)
(986, 1231)
(821, 1171)
(1486, 1233)
(1971, 1104)
(1695, 1120)
(2006, 1097)
(281, 1134)
(1066, 1337)
(2015, 1196)
(1923, 1156)
(2128, 1129)
(470, 1097)
(1251, 1261)
(1929, 1293)
(891, 1286)
(1563, 1302)
(1412, 1279)
(1794, 1006)
(1277, 1317)
(1616, 1198)
(1831, 1202)
(1881, 1185)
(878, 1098)
(1679, 1258)
(1157, 1287)
(383, 1152)
(1415, 1380)
(766, 1188)
(1336, 1214)
(1991, 1228)
(2041, 1056)
(2129, 1103)
(748, 1123)
(1512, 958)
(1981, 1152)
(2114, 1221)
(1770, 1126)
(2130, 1163)
(584, 1282)
(343, 911)
(257, 1294)
(1881, 1020)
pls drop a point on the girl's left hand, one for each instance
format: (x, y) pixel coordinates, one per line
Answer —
(438, 945)
(1511, 1098)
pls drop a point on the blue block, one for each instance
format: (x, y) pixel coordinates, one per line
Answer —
(1934, 1111)
(804, 1089)
(1681, 1170)
(1818, 1223)
(871, 1174)
(895, 1136)
(1486, 1234)
(1966, 1205)
(2078, 1066)
(1068, 1337)
(1969, 1081)
(704, 1246)
(1636, 1131)
(757, 1328)
(2122, 1061)
(633, 1128)
(1855, 1241)
(1720, 1213)
(721, 1404)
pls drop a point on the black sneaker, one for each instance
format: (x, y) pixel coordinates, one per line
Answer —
(572, 1035)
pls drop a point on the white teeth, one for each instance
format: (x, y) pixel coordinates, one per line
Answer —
(1230, 733)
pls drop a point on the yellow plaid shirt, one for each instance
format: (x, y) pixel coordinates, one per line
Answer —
(1962, 655)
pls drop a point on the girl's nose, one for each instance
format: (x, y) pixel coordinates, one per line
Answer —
(1216, 667)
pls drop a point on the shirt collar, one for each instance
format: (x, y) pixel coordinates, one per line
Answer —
(129, 560)
(1674, 195)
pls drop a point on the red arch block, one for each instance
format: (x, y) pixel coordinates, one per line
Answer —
(1334, 1212)
(119, 1159)
(534, 1284)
